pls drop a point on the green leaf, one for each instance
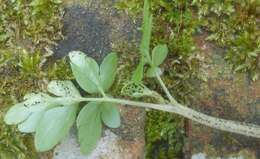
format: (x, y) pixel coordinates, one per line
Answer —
(135, 90)
(38, 102)
(29, 125)
(159, 54)
(240, 67)
(63, 89)
(138, 73)
(33, 103)
(36, 3)
(110, 115)
(16, 114)
(151, 72)
(54, 126)
(147, 32)
(145, 43)
(89, 127)
(29, 95)
(255, 76)
(86, 71)
(57, 1)
(3, 37)
(108, 70)
(254, 53)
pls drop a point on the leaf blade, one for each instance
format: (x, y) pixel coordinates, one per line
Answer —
(83, 82)
(153, 72)
(29, 125)
(110, 115)
(16, 114)
(159, 54)
(147, 32)
(33, 103)
(145, 43)
(138, 73)
(54, 125)
(108, 70)
(89, 127)
(86, 71)
(63, 88)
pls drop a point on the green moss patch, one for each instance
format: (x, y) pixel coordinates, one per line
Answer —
(27, 30)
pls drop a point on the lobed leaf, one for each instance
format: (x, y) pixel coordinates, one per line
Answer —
(55, 123)
(29, 113)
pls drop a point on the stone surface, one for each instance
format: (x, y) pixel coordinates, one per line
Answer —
(204, 156)
(110, 146)
(229, 96)
(84, 31)
(96, 27)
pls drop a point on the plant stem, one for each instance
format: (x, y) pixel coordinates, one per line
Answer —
(170, 97)
(221, 124)
(102, 91)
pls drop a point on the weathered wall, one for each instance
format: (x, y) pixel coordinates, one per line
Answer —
(229, 96)
(96, 27)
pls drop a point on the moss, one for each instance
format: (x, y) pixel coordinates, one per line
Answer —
(22, 74)
(59, 70)
(241, 39)
(26, 24)
(13, 143)
(164, 135)
(176, 23)
(26, 31)
(173, 25)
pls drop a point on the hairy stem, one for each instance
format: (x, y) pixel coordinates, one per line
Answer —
(221, 124)
(218, 123)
